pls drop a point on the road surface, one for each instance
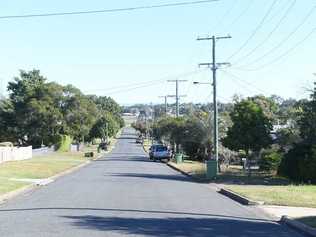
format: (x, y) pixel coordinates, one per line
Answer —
(124, 194)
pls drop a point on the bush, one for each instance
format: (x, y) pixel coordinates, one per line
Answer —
(299, 164)
(270, 160)
(64, 143)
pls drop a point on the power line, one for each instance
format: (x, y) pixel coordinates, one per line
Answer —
(176, 4)
(240, 80)
(254, 31)
(283, 41)
(224, 16)
(134, 88)
(145, 83)
(270, 33)
(287, 52)
(125, 85)
(241, 14)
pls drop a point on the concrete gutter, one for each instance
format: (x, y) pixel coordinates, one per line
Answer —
(299, 226)
(239, 198)
(179, 170)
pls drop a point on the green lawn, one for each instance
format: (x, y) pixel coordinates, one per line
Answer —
(287, 195)
(265, 187)
(36, 168)
(8, 185)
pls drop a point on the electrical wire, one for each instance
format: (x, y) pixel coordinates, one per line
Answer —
(232, 75)
(125, 85)
(240, 15)
(224, 16)
(255, 31)
(144, 83)
(273, 61)
(276, 27)
(176, 4)
(284, 40)
(136, 86)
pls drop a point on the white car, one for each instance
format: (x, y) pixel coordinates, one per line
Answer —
(160, 153)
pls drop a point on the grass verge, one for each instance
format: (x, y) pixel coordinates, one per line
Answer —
(272, 190)
(194, 168)
(36, 168)
(288, 195)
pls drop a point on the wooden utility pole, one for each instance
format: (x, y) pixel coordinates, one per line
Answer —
(177, 95)
(214, 66)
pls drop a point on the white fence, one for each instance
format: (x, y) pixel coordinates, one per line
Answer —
(14, 153)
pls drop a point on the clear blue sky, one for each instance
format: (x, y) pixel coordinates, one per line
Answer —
(99, 52)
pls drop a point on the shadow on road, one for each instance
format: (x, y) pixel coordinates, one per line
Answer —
(176, 177)
(134, 211)
(180, 226)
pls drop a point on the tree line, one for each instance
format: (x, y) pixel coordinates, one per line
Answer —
(39, 112)
(276, 134)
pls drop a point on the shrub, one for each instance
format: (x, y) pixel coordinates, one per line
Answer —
(64, 143)
(299, 164)
(270, 160)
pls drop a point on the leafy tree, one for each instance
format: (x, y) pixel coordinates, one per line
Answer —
(251, 128)
(268, 105)
(287, 137)
(7, 121)
(299, 164)
(270, 160)
(307, 119)
(140, 127)
(79, 113)
(35, 108)
(103, 127)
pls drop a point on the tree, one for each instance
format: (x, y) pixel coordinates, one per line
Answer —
(35, 114)
(7, 121)
(268, 106)
(79, 113)
(250, 130)
(307, 119)
(104, 127)
(299, 164)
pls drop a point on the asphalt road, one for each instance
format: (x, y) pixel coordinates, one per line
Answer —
(126, 195)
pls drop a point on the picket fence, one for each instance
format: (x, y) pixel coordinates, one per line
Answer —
(15, 153)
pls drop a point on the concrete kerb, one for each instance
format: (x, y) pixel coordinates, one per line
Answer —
(239, 198)
(236, 197)
(20, 191)
(304, 229)
(197, 179)
(179, 170)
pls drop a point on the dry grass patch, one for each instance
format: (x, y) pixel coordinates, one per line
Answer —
(194, 168)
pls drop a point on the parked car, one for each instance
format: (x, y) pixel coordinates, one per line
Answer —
(161, 152)
(152, 149)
